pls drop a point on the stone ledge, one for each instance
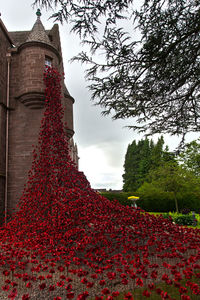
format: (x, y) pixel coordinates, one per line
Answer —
(33, 100)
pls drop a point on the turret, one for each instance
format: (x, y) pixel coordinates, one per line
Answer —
(33, 50)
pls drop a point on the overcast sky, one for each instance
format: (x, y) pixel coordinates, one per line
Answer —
(102, 143)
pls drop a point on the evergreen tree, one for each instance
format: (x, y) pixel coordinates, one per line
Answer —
(157, 153)
(144, 163)
(131, 167)
(141, 158)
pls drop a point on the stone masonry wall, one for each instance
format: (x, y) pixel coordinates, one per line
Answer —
(4, 45)
(25, 120)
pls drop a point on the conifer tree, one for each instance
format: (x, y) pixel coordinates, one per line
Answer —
(140, 159)
(149, 66)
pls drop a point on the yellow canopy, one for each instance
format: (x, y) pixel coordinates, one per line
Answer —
(133, 198)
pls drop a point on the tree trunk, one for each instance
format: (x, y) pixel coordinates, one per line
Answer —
(176, 201)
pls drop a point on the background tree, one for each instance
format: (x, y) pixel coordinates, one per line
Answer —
(173, 179)
(153, 76)
(136, 165)
(190, 157)
(140, 159)
(130, 166)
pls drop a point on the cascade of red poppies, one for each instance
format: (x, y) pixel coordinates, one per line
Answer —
(86, 245)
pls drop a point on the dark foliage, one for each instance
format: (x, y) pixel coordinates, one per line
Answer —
(185, 220)
(185, 211)
(143, 63)
(141, 158)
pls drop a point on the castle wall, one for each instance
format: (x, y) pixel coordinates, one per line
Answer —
(67, 103)
(27, 102)
(26, 106)
(4, 45)
(24, 130)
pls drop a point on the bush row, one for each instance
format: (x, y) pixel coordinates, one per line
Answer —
(158, 201)
(121, 197)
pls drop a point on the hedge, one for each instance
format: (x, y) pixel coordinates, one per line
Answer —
(121, 197)
(157, 200)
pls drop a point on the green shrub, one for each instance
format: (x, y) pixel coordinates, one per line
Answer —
(154, 199)
(189, 199)
(167, 216)
(197, 216)
(184, 220)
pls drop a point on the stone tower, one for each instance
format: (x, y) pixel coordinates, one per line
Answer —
(23, 57)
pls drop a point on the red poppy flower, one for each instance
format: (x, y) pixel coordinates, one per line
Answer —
(6, 273)
(128, 296)
(115, 294)
(70, 295)
(51, 288)
(84, 280)
(102, 282)
(25, 297)
(182, 290)
(185, 297)
(83, 296)
(42, 286)
(124, 281)
(14, 283)
(90, 284)
(151, 286)
(146, 293)
(7, 281)
(5, 287)
(164, 295)
(105, 291)
(139, 282)
(29, 285)
(60, 283)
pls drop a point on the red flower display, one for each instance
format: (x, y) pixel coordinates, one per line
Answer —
(64, 233)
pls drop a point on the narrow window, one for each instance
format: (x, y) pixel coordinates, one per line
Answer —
(48, 61)
(50, 37)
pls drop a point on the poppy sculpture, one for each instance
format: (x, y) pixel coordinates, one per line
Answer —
(68, 242)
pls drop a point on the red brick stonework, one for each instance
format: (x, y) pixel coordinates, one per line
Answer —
(29, 51)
